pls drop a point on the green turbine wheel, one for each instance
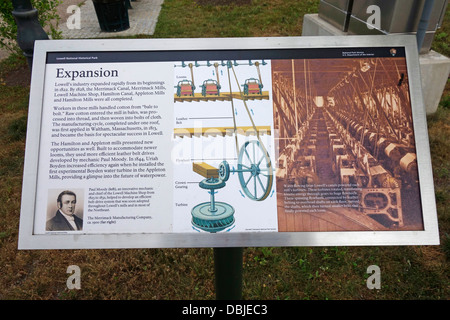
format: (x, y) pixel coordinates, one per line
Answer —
(212, 221)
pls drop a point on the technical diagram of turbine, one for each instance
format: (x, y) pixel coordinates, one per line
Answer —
(254, 167)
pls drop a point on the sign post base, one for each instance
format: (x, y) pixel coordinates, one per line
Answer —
(228, 271)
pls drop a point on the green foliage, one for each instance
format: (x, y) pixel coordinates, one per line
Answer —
(48, 18)
(17, 129)
(442, 39)
(446, 245)
(445, 102)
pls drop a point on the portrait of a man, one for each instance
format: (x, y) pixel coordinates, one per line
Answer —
(65, 218)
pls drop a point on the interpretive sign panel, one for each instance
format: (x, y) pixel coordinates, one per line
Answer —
(227, 142)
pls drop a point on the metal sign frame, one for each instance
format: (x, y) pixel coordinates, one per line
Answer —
(29, 240)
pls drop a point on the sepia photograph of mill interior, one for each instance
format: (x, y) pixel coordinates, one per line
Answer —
(346, 157)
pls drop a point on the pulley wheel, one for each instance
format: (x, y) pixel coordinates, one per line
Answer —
(255, 170)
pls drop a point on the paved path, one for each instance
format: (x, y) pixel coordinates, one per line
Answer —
(143, 17)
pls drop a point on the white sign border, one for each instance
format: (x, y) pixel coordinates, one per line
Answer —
(28, 240)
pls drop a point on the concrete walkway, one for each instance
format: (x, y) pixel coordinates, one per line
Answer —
(143, 18)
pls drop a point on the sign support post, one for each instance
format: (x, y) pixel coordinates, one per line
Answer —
(228, 272)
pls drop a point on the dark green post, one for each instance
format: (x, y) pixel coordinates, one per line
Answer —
(228, 271)
(28, 27)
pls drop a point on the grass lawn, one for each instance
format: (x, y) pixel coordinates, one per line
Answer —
(407, 272)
